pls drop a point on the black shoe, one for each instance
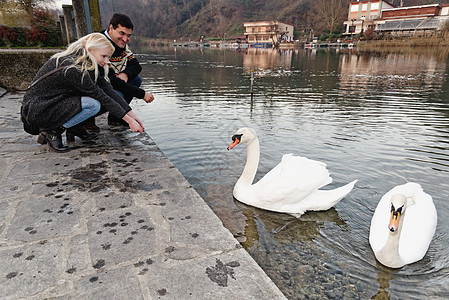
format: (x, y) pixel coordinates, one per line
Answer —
(54, 140)
(116, 122)
(81, 132)
(90, 125)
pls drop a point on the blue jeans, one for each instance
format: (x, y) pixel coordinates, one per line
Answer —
(90, 107)
(136, 81)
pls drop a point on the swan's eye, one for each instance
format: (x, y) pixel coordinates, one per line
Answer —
(237, 136)
(400, 209)
(392, 208)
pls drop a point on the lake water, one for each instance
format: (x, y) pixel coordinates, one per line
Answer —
(381, 118)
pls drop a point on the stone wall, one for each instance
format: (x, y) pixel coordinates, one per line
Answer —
(18, 67)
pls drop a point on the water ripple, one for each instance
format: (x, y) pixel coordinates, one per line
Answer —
(380, 119)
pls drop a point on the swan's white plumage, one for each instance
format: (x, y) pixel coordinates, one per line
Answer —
(417, 229)
(290, 187)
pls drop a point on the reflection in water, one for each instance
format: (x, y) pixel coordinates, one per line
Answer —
(284, 227)
(384, 275)
(264, 60)
(379, 118)
(361, 71)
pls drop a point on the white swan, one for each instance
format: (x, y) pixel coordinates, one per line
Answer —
(291, 187)
(403, 225)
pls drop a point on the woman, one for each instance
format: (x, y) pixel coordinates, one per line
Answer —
(72, 87)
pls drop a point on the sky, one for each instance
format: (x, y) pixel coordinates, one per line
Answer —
(59, 3)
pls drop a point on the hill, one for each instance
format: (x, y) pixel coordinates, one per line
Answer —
(224, 18)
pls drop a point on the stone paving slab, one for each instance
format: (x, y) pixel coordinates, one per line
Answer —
(111, 219)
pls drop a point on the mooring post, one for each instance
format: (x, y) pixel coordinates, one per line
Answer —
(252, 82)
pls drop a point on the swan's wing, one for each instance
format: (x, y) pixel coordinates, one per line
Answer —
(325, 199)
(292, 180)
(418, 228)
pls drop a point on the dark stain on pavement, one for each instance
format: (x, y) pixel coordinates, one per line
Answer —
(95, 178)
(162, 292)
(99, 264)
(220, 272)
(11, 275)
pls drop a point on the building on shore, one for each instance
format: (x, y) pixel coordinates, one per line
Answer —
(268, 32)
(383, 17)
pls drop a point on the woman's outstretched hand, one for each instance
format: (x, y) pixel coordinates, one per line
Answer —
(134, 122)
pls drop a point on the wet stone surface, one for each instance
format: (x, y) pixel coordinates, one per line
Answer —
(43, 218)
(29, 269)
(110, 219)
(113, 201)
(124, 235)
(111, 284)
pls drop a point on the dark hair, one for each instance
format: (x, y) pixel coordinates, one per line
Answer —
(121, 19)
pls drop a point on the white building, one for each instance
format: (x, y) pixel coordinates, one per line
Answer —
(271, 32)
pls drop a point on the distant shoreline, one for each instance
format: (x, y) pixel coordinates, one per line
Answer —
(405, 42)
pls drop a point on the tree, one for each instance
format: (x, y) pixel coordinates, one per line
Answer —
(27, 5)
(30, 5)
(330, 13)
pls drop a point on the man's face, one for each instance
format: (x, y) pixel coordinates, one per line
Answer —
(120, 35)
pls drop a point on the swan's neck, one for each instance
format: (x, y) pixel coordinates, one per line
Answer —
(390, 252)
(252, 161)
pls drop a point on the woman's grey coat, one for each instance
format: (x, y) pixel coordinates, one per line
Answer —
(56, 98)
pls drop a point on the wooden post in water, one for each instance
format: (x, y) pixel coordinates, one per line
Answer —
(252, 82)
(252, 89)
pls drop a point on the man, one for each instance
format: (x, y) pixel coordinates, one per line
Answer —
(124, 67)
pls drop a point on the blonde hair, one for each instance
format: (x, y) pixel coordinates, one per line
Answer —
(80, 57)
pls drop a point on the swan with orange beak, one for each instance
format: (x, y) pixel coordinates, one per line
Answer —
(403, 225)
(292, 187)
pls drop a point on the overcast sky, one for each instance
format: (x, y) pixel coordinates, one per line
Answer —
(59, 3)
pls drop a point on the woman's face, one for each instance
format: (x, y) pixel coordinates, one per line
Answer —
(101, 55)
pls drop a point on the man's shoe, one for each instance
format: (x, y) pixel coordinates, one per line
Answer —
(90, 125)
(79, 131)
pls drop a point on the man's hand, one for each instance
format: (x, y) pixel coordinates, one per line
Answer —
(148, 98)
(123, 76)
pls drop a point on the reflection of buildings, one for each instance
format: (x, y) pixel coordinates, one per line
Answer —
(272, 32)
(267, 59)
(360, 72)
(382, 16)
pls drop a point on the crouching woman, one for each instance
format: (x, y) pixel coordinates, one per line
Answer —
(71, 87)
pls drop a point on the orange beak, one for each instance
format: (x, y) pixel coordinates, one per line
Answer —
(234, 143)
(394, 221)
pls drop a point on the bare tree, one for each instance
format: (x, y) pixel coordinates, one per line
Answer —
(28, 5)
(331, 13)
